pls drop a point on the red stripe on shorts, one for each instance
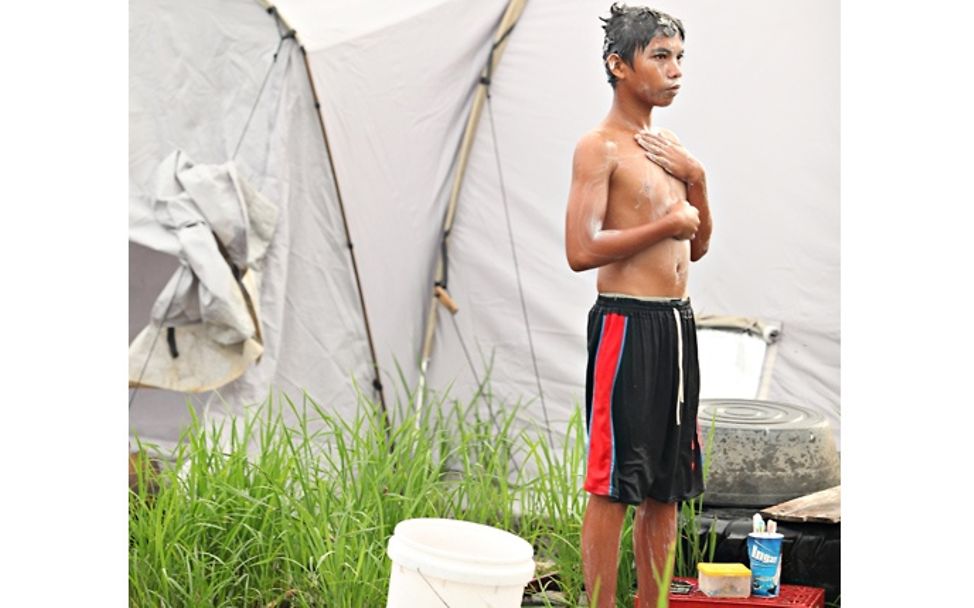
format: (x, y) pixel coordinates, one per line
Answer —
(599, 471)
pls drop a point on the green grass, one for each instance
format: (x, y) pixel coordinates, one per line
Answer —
(266, 514)
(691, 549)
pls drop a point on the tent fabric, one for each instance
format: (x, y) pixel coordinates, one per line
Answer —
(759, 107)
(394, 102)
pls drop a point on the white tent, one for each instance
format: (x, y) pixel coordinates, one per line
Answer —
(354, 131)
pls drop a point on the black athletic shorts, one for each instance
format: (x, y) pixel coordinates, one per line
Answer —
(641, 392)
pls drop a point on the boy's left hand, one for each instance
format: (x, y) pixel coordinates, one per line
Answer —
(670, 155)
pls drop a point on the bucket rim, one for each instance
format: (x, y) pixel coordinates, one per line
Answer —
(519, 552)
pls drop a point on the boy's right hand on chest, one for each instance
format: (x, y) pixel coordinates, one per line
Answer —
(686, 218)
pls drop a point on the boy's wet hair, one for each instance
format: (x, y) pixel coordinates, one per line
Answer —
(628, 30)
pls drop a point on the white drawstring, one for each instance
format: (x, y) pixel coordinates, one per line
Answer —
(679, 362)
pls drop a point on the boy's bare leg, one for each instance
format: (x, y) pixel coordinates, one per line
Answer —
(653, 531)
(600, 548)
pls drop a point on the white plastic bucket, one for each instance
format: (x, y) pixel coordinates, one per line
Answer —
(447, 562)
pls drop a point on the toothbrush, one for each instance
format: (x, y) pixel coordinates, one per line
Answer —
(758, 525)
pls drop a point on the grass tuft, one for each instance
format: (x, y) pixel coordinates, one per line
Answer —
(264, 513)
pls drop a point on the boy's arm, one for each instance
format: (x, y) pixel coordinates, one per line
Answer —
(666, 151)
(697, 196)
(587, 244)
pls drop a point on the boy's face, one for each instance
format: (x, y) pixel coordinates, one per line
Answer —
(655, 73)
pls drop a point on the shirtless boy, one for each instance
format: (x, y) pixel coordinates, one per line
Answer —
(638, 211)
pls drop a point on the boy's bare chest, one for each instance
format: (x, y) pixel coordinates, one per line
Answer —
(639, 189)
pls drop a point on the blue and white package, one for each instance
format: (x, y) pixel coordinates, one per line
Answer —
(764, 551)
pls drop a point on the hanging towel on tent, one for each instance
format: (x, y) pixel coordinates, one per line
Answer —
(205, 326)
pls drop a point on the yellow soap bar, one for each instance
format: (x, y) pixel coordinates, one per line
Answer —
(724, 569)
(724, 580)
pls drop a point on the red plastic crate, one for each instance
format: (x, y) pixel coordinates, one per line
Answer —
(791, 596)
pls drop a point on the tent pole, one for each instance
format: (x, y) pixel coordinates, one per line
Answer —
(510, 18)
(376, 382)
(272, 10)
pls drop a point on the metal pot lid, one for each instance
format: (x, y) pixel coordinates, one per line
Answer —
(750, 413)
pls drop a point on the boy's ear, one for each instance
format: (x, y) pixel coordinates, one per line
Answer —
(616, 65)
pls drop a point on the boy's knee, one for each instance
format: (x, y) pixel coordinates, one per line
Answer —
(651, 506)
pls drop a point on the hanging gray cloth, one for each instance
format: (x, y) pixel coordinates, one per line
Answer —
(205, 325)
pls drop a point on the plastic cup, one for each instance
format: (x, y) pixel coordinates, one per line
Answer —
(764, 551)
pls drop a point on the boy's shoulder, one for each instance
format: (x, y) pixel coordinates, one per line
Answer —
(597, 143)
(594, 138)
